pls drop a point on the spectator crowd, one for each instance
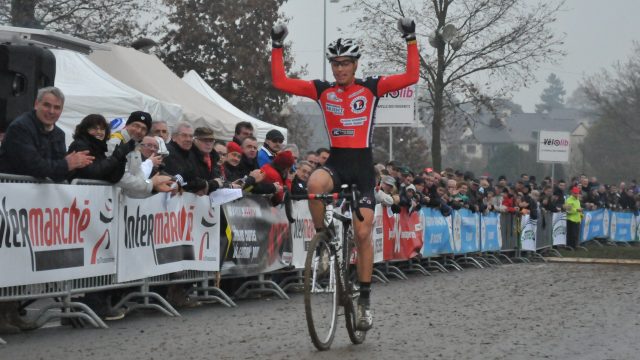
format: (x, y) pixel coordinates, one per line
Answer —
(147, 156)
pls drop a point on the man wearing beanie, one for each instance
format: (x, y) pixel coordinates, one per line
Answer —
(272, 145)
(137, 127)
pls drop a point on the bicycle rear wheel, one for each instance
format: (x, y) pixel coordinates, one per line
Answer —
(351, 293)
(321, 292)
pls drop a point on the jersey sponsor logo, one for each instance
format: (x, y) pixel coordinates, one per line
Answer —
(334, 109)
(354, 121)
(356, 93)
(342, 132)
(333, 97)
(359, 104)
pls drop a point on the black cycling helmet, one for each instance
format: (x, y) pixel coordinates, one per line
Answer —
(343, 47)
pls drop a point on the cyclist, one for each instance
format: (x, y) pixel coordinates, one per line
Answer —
(348, 106)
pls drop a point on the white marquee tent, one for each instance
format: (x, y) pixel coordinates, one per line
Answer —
(197, 82)
(90, 90)
(149, 75)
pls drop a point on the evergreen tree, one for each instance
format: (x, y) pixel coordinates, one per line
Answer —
(227, 42)
(553, 96)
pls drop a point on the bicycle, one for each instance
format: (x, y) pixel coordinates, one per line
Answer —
(328, 272)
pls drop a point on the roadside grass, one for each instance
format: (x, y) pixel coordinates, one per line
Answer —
(605, 252)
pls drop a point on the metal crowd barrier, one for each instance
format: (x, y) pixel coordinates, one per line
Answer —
(144, 297)
(67, 291)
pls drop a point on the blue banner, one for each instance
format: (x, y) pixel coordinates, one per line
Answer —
(594, 224)
(466, 231)
(622, 226)
(437, 232)
(491, 235)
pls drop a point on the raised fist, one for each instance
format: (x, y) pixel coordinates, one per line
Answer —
(408, 28)
(278, 33)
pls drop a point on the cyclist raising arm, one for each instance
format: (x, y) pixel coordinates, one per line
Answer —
(348, 106)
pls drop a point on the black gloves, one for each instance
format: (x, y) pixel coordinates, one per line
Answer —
(122, 150)
(408, 28)
(278, 33)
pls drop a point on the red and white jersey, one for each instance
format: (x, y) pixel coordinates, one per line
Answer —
(349, 111)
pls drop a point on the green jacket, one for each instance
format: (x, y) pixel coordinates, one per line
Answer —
(573, 214)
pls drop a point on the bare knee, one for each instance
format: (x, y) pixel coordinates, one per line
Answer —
(320, 182)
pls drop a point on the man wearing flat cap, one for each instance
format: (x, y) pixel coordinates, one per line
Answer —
(206, 159)
(136, 128)
(272, 146)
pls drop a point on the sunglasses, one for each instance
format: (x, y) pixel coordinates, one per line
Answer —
(150, 146)
(343, 63)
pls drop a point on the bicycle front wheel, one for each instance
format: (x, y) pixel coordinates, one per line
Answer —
(351, 292)
(321, 292)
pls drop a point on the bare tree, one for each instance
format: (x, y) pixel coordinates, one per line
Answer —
(500, 41)
(611, 147)
(616, 95)
(100, 21)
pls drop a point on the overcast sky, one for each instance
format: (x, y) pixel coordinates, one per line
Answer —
(598, 33)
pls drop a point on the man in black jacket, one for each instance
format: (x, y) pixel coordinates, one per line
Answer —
(299, 182)
(249, 161)
(181, 161)
(35, 146)
(206, 159)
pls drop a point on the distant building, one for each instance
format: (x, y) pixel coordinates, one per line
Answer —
(486, 136)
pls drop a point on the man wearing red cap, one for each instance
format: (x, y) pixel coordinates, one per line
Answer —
(574, 217)
(276, 173)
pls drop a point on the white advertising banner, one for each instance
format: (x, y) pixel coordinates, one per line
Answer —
(378, 235)
(559, 228)
(53, 232)
(302, 231)
(164, 234)
(528, 227)
(554, 146)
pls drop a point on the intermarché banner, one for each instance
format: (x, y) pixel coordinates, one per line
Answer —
(55, 232)
(167, 233)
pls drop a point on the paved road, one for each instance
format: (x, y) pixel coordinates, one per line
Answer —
(533, 311)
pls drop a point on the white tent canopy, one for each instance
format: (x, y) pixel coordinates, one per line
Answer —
(260, 127)
(90, 90)
(148, 74)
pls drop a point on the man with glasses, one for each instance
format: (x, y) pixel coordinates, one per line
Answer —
(348, 106)
(206, 159)
(151, 161)
(272, 146)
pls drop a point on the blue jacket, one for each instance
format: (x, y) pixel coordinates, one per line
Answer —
(28, 149)
(265, 156)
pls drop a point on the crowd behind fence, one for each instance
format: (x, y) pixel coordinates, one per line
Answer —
(61, 241)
